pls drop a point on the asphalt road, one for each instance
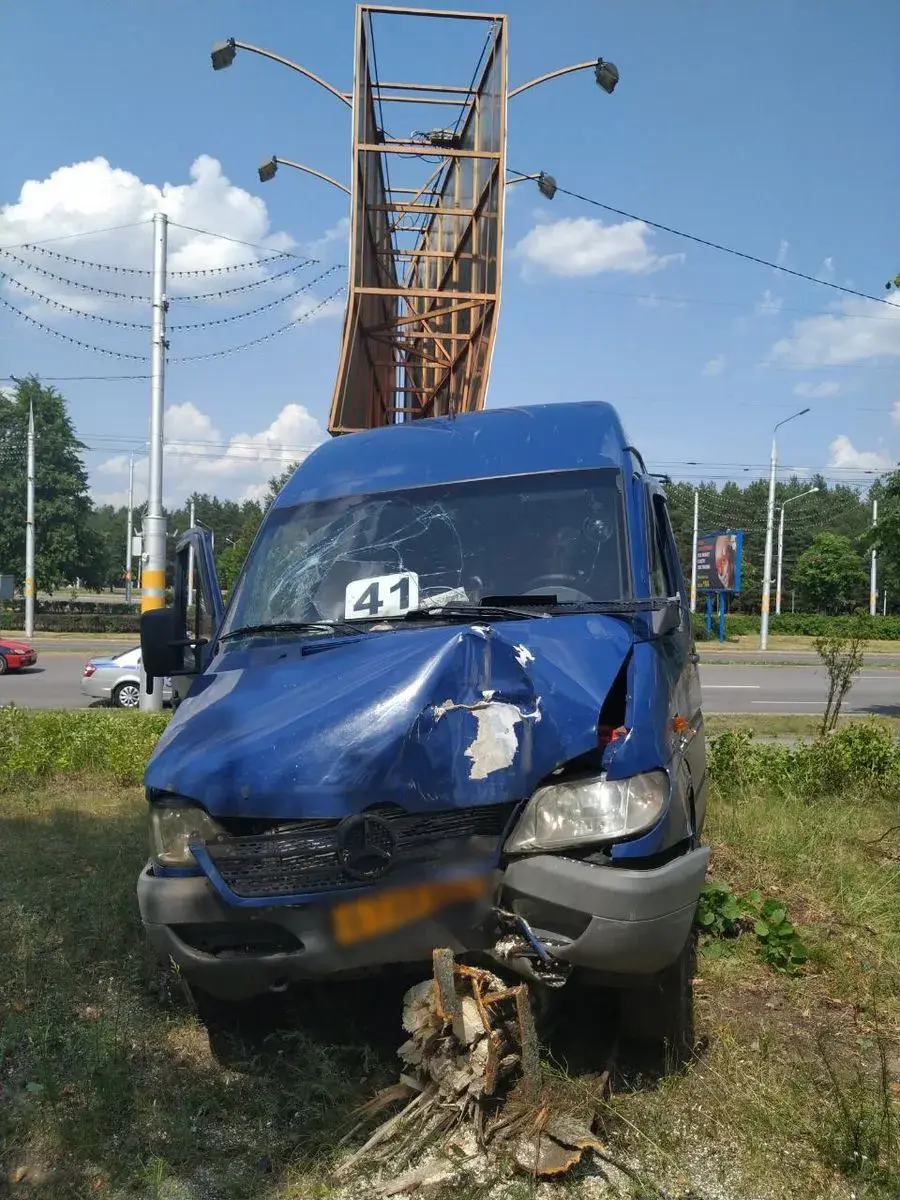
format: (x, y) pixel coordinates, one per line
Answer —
(56, 683)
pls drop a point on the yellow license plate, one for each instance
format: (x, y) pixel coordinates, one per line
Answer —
(371, 916)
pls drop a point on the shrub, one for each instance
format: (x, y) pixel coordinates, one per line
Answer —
(37, 744)
(74, 622)
(861, 756)
(807, 625)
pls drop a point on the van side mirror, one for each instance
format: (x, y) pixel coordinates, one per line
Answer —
(163, 643)
(667, 620)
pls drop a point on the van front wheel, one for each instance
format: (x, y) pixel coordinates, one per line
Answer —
(662, 1013)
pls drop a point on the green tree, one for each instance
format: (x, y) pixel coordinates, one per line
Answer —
(830, 574)
(232, 559)
(66, 545)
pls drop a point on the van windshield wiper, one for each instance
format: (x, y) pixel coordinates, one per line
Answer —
(617, 608)
(276, 627)
(466, 612)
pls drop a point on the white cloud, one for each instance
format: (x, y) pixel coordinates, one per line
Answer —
(85, 197)
(714, 366)
(845, 457)
(311, 307)
(861, 330)
(333, 240)
(582, 246)
(817, 391)
(826, 271)
(197, 456)
(781, 256)
(769, 305)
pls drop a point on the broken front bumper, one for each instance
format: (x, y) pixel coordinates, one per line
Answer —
(614, 922)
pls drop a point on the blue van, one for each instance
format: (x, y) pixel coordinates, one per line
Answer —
(453, 701)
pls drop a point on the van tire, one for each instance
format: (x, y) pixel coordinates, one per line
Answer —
(662, 1013)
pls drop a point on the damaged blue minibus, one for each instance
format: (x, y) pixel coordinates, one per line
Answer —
(453, 700)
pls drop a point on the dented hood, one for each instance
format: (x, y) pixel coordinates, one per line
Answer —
(453, 716)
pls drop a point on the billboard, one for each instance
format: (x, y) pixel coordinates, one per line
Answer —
(719, 561)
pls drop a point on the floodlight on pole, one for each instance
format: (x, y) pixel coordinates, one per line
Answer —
(269, 169)
(547, 184)
(785, 503)
(770, 532)
(223, 55)
(605, 73)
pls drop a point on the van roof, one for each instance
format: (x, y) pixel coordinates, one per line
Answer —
(482, 445)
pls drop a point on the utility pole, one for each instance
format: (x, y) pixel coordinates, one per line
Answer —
(873, 580)
(29, 529)
(153, 591)
(770, 534)
(694, 550)
(190, 595)
(128, 532)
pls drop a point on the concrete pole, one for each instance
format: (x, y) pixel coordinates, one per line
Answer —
(873, 578)
(129, 530)
(767, 563)
(780, 557)
(694, 550)
(29, 529)
(190, 595)
(153, 593)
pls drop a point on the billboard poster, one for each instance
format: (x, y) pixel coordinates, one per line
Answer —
(719, 561)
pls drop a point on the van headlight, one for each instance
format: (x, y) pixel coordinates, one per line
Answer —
(580, 811)
(173, 827)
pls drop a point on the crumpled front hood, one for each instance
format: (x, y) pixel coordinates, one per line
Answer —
(453, 716)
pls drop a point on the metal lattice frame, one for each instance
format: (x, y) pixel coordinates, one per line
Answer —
(425, 258)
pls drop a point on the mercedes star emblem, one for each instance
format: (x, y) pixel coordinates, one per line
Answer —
(366, 846)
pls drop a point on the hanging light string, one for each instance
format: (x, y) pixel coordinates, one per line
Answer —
(266, 337)
(202, 273)
(132, 298)
(253, 312)
(60, 306)
(65, 337)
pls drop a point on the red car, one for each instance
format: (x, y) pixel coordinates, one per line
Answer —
(15, 655)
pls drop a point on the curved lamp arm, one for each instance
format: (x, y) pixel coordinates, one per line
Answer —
(270, 166)
(605, 73)
(224, 52)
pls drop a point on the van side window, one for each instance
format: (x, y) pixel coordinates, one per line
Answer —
(662, 581)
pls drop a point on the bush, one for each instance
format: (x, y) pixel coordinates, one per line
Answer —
(862, 756)
(106, 608)
(74, 622)
(37, 744)
(876, 629)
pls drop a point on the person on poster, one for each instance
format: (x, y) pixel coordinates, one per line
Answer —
(726, 561)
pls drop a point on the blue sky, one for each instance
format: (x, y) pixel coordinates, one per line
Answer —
(771, 127)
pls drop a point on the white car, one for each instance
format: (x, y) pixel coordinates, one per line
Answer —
(117, 680)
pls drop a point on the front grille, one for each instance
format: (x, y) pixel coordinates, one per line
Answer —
(302, 857)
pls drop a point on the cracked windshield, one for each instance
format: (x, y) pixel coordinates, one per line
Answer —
(372, 556)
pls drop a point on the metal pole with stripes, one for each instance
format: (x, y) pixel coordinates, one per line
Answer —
(153, 590)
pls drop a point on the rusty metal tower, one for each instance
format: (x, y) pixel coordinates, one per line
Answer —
(424, 286)
(427, 207)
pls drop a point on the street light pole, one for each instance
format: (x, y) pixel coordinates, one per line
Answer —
(29, 528)
(694, 550)
(190, 595)
(873, 574)
(790, 500)
(128, 531)
(268, 169)
(153, 593)
(770, 531)
(223, 55)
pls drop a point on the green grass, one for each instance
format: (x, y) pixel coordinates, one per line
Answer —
(785, 642)
(105, 1091)
(781, 725)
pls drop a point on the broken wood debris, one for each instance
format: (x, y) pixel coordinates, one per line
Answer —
(471, 1060)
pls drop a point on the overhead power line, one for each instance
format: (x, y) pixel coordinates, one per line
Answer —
(238, 241)
(67, 237)
(199, 273)
(65, 337)
(700, 241)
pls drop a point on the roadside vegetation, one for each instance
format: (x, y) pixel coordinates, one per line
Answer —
(109, 1087)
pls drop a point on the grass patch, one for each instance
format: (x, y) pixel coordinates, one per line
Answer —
(784, 642)
(777, 725)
